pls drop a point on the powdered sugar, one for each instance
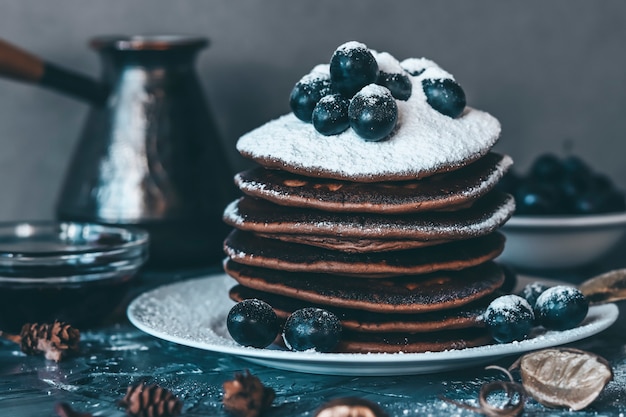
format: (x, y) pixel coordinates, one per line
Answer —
(193, 313)
(387, 63)
(509, 304)
(424, 141)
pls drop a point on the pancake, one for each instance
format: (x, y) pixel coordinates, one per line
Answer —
(330, 230)
(438, 192)
(413, 343)
(423, 143)
(406, 294)
(364, 321)
(249, 249)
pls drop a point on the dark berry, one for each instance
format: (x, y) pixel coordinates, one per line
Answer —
(546, 167)
(573, 186)
(352, 67)
(306, 93)
(509, 318)
(399, 84)
(252, 323)
(373, 113)
(598, 201)
(537, 198)
(445, 96)
(573, 165)
(312, 328)
(330, 116)
(601, 182)
(561, 308)
(531, 292)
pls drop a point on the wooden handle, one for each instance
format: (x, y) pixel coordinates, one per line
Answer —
(23, 66)
(19, 65)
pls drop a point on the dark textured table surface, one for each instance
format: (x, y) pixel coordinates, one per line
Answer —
(116, 355)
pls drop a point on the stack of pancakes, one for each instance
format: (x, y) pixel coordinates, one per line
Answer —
(402, 252)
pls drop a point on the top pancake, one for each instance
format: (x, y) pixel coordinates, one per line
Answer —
(424, 142)
(438, 192)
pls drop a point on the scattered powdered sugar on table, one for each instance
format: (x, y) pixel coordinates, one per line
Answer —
(424, 141)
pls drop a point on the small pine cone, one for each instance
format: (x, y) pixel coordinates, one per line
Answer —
(53, 340)
(143, 400)
(246, 396)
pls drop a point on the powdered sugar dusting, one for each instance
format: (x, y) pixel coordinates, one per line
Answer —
(387, 63)
(193, 313)
(351, 45)
(424, 141)
(509, 305)
(416, 66)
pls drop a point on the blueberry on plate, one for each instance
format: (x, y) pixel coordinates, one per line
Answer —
(445, 96)
(373, 113)
(330, 116)
(509, 318)
(306, 93)
(399, 84)
(531, 292)
(312, 328)
(561, 308)
(352, 67)
(252, 322)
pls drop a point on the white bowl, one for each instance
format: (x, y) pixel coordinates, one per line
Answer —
(552, 242)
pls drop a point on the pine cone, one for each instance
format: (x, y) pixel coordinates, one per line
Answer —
(143, 400)
(245, 396)
(53, 340)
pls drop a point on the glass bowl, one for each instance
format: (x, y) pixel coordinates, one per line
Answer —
(75, 272)
(560, 242)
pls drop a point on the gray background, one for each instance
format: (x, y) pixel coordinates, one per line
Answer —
(551, 71)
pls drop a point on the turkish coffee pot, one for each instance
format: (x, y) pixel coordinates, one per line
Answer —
(149, 155)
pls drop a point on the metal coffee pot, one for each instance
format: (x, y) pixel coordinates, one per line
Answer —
(149, 155)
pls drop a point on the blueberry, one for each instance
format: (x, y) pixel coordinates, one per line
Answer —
(312, 328)
(252, 323)
(573, 165)
(373, 113)
(445, 96)
(306, 93)
(399, 84)
(509, 318)
(599, 201)
(573, 186)
(352, 67)
(561, 308)
(330, 116)
(531, 292)
(537, 198)
(546, 167)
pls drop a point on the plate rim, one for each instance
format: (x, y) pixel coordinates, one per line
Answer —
(561, 221)
(609, 311)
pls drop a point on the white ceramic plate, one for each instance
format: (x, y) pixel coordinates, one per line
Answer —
(193, 313)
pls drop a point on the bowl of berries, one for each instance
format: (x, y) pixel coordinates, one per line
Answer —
(567, 214)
